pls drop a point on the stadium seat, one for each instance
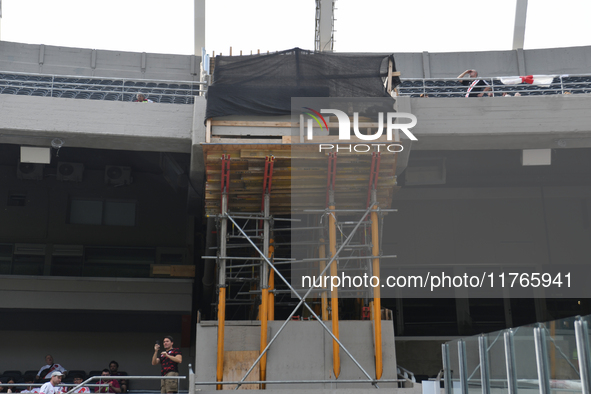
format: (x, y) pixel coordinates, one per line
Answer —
(10, 90)
(68, 94)
(97, 96)
(14, 373)
(82, 95)
(95, 373)
(75, 372)
(40, 92)
(112, 96)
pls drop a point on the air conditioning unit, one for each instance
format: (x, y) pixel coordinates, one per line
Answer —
(70, 172)
(30, 171)
(118, 175)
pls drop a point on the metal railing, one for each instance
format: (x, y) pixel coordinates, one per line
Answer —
(85, 383)
(544, 356)
(73, 387)
(193, 383)
(100, 88)
(451, 87)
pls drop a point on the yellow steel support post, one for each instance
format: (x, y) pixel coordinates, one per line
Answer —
(221, 327)
(222, 270)
(377, 308)
(265, 290)
(322, 256)
(271, 305)
(334, 302)
(264, 316)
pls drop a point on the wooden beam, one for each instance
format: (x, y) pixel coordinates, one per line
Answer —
(208, 130)
(250, 123)
(389, 87)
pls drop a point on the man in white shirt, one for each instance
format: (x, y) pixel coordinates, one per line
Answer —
(52, 387)
(46, 370)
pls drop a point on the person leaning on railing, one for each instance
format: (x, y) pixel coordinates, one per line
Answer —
(476, 87)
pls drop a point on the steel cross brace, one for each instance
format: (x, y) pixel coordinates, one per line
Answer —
(302, 299)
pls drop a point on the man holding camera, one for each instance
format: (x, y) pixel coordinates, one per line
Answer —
(476, 87)
(169, 360)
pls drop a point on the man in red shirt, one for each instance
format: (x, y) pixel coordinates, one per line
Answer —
(113, 384)
(169, 360)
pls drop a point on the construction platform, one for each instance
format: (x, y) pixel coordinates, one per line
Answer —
(299, 178)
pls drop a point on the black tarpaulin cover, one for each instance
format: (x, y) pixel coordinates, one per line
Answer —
(265, 84)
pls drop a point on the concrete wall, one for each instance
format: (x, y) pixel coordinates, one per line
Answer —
(121, 294)
(558, 121)
(96, 124)
(459, 226)
(160, 212)
(303, 351)
(572, 60)
(47, 59)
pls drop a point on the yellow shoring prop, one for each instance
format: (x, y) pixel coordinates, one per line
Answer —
(334, 302)
(221, 326)
(271, 306)
(322, 256)
(265, 312)
(264, 316)
(225, 185)
(377, 308)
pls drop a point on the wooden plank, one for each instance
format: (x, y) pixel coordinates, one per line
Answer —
(182, 271)
(159, 270)
(236, 132)
(236, 364)
(332, 139)
(245, 141)
(248, 123)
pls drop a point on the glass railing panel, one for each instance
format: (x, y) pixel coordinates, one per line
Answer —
(454, 366)
(473, 365)
(562, 357)
(497, 362)
(525, 358)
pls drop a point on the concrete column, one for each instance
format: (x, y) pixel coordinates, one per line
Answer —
(519, 27)
(199, 26)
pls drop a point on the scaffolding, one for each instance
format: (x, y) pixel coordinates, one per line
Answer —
(252, 276)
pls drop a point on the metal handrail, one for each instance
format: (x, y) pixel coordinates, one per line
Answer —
(497, 87)
(120, 377)
(120, 86)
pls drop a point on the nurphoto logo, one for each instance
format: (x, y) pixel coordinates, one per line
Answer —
(344, 123)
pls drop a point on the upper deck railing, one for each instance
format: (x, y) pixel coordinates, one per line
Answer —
(451, 87)
(99, 88)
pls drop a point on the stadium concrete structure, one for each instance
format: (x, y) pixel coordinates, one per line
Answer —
(90, 293)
